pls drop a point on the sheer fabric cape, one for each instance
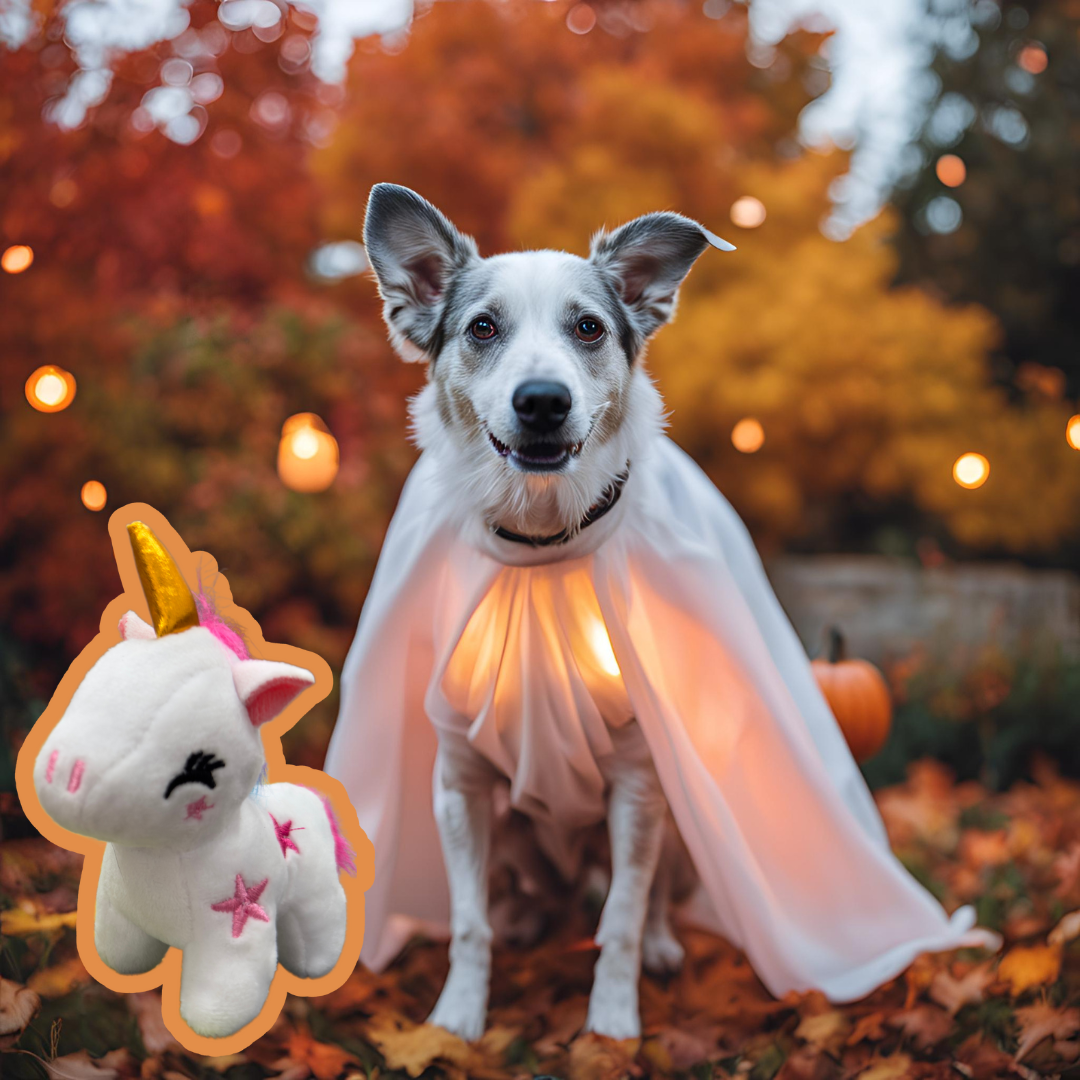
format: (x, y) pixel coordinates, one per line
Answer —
(498, 641)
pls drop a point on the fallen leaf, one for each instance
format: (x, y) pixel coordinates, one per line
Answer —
(674, 1050)
(1067, 869)
(1028, 966)
(827, 1031)
(894, 1067)
(57, 980)
(146, 1008)
(868, 1027)
(953, 994)
(918, 977)
(984, 849)
(19, 923)
(324, 1061)
(1067, 929)
(18, 1006)
(596, 1057)
(925, 1025)
(413, 1047)
(81, 1066)
(1041, 1021)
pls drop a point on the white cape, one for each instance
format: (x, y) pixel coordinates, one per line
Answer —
(794, 864)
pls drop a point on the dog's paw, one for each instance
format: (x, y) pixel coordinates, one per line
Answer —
(614, 1013)
(462, 1008)
(661, 953)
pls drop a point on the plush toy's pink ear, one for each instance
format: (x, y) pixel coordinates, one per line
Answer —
(132, 628)
(267, 686)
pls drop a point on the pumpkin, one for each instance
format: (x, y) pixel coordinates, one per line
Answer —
(858, 696)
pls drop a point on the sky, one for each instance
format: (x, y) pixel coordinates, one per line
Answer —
(877, 58)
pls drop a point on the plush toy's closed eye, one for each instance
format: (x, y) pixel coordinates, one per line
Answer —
(198, 769)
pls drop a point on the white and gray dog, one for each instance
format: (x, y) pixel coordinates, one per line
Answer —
(536, 402)
(566, 608)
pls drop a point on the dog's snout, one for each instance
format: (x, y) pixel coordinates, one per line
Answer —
(542, 406)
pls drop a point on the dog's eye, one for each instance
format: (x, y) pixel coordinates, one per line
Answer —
(483, 329)
(589, 330)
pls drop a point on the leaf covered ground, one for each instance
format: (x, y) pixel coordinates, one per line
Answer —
(1015, 855)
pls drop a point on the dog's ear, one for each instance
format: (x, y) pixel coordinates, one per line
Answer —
(648, 258)
(414, 251)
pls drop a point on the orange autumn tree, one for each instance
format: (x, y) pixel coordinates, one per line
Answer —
(172, 281)
(867, 393)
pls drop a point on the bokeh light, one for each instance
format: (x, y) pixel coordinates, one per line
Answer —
(748, 436)
(951, 170)
(1032, 58)
(308, 456)
(50, 389)
(94, 496)
(581, 18)
(17, 258)
(747, 212)
(971, 470)
(1072, 432)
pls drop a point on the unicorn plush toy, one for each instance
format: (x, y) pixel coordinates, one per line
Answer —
(159, 754)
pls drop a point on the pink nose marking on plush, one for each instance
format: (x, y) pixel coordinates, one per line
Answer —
(76, 775)
(50, 768)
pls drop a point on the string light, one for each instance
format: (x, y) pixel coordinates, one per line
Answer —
(94, 495)
(747, 212)
(1072, 432)
(1033, 58)
(17, 258)
(971, 470)
(951, 170)
(308, 455)
(50, 389)
(748, 436)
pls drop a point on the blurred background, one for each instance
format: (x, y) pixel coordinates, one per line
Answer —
(884, 380)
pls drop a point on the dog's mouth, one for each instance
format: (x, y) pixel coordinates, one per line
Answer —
(538, 456)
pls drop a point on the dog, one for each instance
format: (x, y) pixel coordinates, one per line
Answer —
(582, 617)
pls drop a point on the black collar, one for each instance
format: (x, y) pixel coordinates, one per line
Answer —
(595, 512)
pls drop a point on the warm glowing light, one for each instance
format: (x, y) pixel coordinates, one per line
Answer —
(94, 495)
(307, 454)
(971, 470)
(600, 644)
(581, 18)
(17, 258)
(748, 436)
(50, 389)
(748, 212)
(951, 170)
(305, 444)
(1072, 432)
(1032, 58)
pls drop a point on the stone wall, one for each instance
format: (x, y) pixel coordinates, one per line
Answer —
(888, 606)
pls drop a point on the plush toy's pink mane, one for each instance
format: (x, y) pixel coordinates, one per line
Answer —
(227, 634)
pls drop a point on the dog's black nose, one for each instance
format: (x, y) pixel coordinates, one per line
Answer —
(542, 406)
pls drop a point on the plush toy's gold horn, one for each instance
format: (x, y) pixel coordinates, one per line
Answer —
(172, 607)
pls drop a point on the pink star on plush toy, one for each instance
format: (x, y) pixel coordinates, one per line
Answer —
(243, 905)
(197, 808)
(282, 829)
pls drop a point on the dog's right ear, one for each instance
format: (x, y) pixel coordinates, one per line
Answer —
(415, 251)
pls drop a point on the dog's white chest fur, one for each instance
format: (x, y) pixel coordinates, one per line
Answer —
(534, 684)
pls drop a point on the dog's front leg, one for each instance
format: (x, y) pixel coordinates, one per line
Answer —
(636, 812)
(462, 800)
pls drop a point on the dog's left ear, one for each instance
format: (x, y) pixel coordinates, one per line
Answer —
(414, 250)
(649, 257)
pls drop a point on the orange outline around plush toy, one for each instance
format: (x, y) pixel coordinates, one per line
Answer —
(167, 973)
